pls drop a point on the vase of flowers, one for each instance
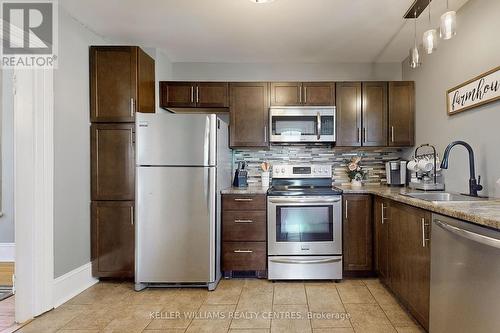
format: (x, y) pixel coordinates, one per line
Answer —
(355, 171)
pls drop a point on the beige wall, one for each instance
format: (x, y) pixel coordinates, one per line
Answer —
(474, 50)
(284, 72)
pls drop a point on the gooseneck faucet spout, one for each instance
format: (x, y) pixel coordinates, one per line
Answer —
(474, 185)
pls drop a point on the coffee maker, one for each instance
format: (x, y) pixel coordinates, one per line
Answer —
(396, 172)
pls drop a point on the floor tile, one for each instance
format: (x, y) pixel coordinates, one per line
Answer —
(383, 297)
(292, 293)
(354, 293)
(174, 316)
(334, 330)
(213, 318)
(369, 318)
(290, 319)
(259, 330)
(412, 329)
(253, 316)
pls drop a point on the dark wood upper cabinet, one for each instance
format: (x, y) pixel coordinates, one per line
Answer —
(348, 114)
(177, 94)
(112, 161)
(112, 232)
(401, 113)
(374, 113)
(302, 93)
(121, 83)
(212, 94)
(249, 113)
(381, 225)
(286, 93)
(318, 93)
(357, 233)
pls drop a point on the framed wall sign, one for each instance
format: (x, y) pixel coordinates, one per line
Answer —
(480, 90)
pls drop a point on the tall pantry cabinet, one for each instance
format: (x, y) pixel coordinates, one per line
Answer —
(122, 82)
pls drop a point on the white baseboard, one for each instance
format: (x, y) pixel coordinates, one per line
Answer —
(7, 252)
(72, 283)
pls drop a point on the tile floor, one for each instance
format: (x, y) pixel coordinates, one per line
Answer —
(7, 320)
(237, 306)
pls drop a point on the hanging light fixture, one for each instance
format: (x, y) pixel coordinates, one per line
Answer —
(448, 27)
(415, 60)
(430, 38)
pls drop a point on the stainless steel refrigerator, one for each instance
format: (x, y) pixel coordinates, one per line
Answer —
(183, 161)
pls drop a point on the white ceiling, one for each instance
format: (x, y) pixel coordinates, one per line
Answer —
(302, 31)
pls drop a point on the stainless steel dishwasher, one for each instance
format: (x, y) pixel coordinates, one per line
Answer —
(465, 277)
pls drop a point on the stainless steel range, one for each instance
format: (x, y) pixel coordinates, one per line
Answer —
(304, 224)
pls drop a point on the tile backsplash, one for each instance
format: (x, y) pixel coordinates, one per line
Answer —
(373, 160)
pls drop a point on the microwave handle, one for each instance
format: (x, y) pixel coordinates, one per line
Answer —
(319, 125)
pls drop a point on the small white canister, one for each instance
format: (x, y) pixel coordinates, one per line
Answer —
(265, 179)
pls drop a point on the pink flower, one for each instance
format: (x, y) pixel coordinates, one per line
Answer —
(352, 166)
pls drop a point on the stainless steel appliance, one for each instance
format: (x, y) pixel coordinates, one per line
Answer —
(183, 161)
(465, 277)
(304, 224)
(302, 124)
(395, 173)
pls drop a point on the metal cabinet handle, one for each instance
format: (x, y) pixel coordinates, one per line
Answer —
(243, 251)
(192, 94)
(485, 240)
(383, 215)
(305, 95)
(392, 133)
(318, 125)
(265, 133)
(132, 215)
(305, 261)
(424, 239)
(300, 94)
(359, 134)
(243, 199)
(346, 202)
(132, 106)
(364, 134)
(243, 221)
(197, 94)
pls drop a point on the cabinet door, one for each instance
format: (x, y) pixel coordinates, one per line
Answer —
(112, 161)
(398, 251)
(212, 95)
(348, 114)
(419, 264)
(375, 110)
(286, 93)
(145, 82)
(249, 110)
(177, 94)
(381, 224)
(318, 93)
(112, 232)
(401, 114)
(357, 233)
(113, 77)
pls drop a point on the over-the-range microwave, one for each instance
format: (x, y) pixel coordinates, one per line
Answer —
(296, 124)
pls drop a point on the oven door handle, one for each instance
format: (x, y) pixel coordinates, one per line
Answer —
(305, 261)
(297, 200)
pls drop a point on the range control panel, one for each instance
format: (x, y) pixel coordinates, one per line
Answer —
(302, 171)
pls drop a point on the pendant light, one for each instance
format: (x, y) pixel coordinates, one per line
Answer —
(430, 38)
(448, 27)
(415, 60)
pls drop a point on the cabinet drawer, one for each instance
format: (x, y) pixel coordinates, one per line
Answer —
(244, 202)
(244, 256)
(244, 225)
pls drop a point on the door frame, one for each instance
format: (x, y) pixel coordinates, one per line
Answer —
(33, 191)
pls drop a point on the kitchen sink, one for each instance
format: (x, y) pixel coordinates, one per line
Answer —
(442, 196)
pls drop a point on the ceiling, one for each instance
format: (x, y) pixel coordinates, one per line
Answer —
(288, 31)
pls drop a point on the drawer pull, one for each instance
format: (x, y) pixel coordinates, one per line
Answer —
(243, 199)
(243, 251)
(243, 221)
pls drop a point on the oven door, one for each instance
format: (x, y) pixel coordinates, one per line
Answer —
(302, 124)
(305, 225)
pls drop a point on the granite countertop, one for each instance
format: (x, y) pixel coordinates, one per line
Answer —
(245, 190)
(483, 212)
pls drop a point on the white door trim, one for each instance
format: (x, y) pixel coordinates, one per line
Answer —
(33, 191)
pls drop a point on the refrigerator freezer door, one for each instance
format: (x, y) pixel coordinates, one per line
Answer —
(165, 139)
(176, 221)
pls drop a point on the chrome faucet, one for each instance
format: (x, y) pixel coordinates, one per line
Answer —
(474, 185)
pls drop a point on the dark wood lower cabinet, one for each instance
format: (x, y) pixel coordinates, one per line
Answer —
(381, 226)
(112, 233)
(357, 234)
(244, 256)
